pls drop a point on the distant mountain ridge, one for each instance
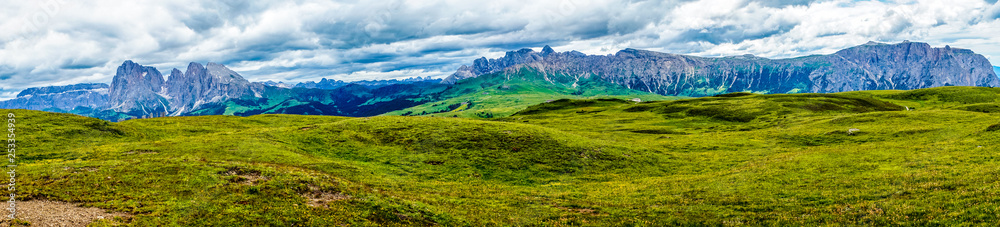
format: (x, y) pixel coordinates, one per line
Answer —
(138, 91)
(90, 95)
(135, 88)
(872, 66)
(61, 89)
(141, 90)
(211, 83)
(333, 84)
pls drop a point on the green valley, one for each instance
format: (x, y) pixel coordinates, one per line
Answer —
(920, 157)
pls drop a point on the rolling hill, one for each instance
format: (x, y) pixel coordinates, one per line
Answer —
(920, 157)
(503, 94)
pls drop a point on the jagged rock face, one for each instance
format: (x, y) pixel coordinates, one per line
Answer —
(907, 65)
(485, 66)
(50, 90)
(867, 67)
(141, 91)
(134, 90)
(206, 84)
(61, 97)
(328, 84)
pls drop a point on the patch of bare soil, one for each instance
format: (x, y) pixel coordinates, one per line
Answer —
(246, 177)
(141, 152)
(56, 213)
(78, 169)
(321, 198)
(580, 210)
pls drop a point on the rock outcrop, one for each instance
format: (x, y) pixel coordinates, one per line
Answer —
(134, 90)
(872, 66)
(141, 91)
(485, 66)
(206, 84)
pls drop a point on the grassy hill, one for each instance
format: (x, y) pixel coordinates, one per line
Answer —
(504, 93)
(856, 158)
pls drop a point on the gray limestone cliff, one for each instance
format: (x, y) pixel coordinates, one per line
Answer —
(200, 85)
(134, 90)
(141, 90)
(91, 95)
(872, 66)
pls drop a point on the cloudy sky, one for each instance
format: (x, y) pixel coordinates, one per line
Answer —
(60, 42)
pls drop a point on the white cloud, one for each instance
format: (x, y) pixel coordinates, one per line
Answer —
(352, 40)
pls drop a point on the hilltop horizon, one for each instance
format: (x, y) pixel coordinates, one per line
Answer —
(446, 76)
(141, 91)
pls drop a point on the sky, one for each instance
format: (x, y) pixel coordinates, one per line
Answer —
(62, 42)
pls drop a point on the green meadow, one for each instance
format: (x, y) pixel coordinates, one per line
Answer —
(505, 93)
(922, 157)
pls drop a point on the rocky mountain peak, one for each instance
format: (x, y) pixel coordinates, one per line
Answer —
(636, 53)
(141, 90)
(194, 67)
(910, 65)
(521, 51)
(69, 97)
(35, 91)
(486, 66)
(871, 66)
(134, 88)
(175, 73)
(207, 84)
(547, 50)
(224, 74)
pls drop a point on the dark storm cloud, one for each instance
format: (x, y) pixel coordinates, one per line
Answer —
(82, 63)
(6, 75)
(202, 22)
(373, 58)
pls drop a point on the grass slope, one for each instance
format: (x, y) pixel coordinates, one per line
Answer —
(728, 160)
(502, 94)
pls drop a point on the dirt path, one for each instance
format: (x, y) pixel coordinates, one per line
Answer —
(55, 213)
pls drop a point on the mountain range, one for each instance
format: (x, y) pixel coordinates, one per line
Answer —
(334, 84)
(872, 66)
(138, 91)
(500, 86)
(92, 95)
